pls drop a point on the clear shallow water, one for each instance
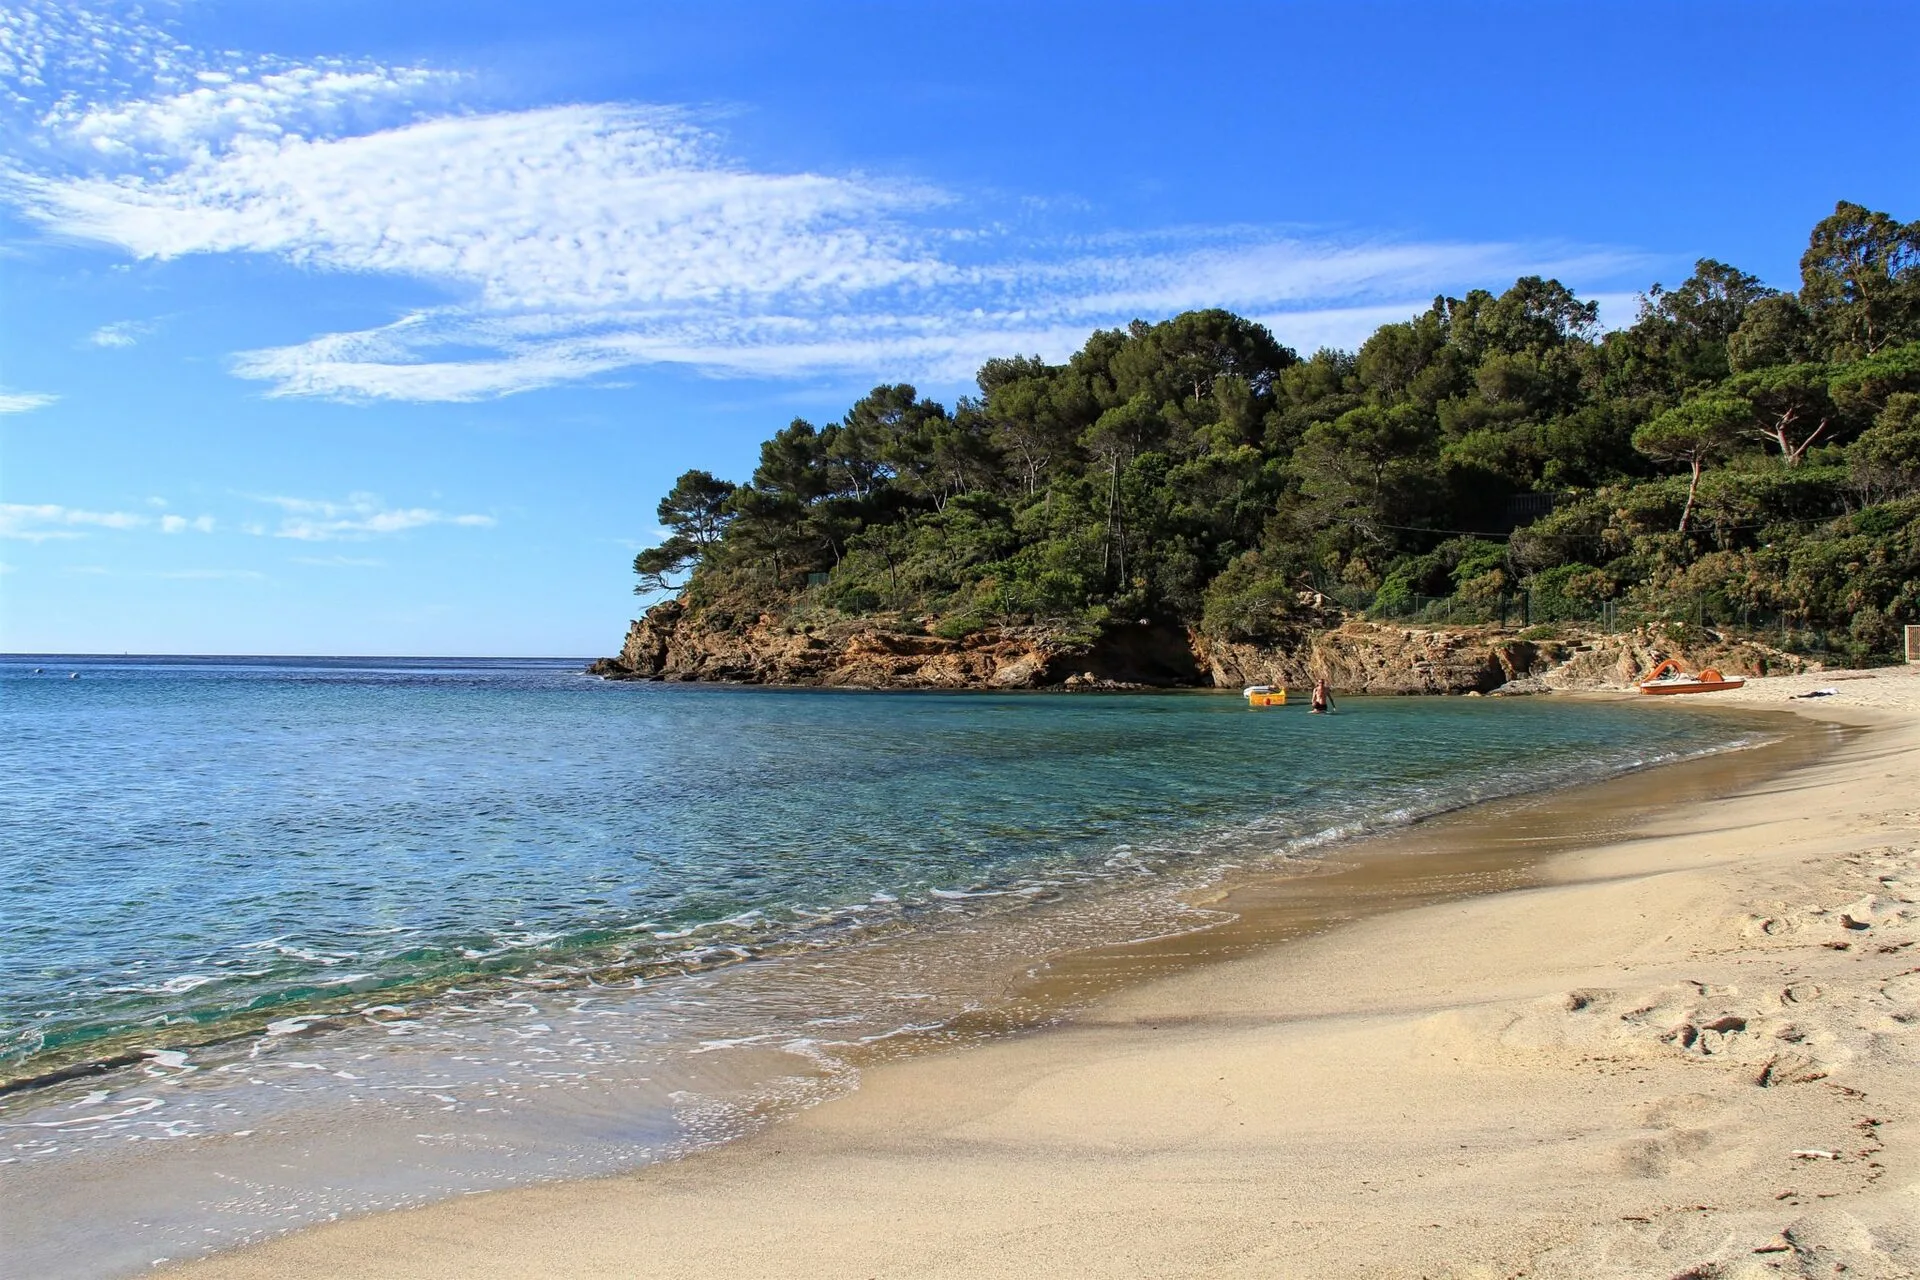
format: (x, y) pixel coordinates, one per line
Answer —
(191, 848)
(369, 933)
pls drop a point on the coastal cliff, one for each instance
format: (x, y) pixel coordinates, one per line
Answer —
(671, 642)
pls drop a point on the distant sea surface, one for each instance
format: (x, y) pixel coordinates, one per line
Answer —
(282, 939)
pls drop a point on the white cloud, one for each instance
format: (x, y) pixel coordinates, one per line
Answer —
(39, 522)
(360, 516)
(23, 401)
(572, 241)
(548, 210)
(121, 333)
(222, 108)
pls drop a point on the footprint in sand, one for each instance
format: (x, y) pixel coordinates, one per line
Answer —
(1659, 1155)
(1709, 1036)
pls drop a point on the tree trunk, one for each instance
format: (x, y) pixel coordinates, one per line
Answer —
(1793, 456)
(1693, 487)
(1113, 495)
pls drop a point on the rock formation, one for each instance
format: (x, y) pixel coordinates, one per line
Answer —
(672, 643)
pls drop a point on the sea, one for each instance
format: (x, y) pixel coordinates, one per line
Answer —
(284, 939)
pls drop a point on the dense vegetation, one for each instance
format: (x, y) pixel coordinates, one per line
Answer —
(1739, 452)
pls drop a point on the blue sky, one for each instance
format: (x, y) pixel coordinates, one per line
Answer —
(379, 328)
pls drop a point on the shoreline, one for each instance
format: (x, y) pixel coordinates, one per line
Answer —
(913, 1173)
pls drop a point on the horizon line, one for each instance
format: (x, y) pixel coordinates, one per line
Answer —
(335, 657)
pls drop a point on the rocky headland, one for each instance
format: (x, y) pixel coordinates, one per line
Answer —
(675, 643)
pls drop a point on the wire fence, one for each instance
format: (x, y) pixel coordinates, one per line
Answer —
(1527, 609)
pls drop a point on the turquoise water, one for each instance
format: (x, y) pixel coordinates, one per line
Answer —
(193, 848)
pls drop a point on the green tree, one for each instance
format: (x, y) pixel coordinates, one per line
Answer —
(695, 514)
(1862, 387)
(1860, 280)
(1775, 330)
(696, 508)
(1695, 433)
(1362, 471)
(1791, 406)
(1884, 462)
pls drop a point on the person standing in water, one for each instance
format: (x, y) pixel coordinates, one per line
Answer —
(1322, 698)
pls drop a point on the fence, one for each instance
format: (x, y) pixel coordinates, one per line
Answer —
(1528, 608)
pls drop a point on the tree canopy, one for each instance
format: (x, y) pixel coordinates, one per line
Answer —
(1757, 445)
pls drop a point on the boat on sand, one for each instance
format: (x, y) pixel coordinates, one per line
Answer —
(1671, 677)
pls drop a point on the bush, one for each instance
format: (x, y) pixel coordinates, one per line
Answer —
(1874, 632)
(854, 600)
(1247, 601)
(960, 625)
(1570, 592)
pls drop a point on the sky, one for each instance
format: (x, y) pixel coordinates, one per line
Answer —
(343, 327)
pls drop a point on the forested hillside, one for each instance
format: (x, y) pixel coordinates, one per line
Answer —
(1739, 454)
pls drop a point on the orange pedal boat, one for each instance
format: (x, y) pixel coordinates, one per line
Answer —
(1671, 677)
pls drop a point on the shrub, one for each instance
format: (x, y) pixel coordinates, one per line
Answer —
(1247, 602)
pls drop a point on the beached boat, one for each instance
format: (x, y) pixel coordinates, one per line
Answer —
(1265, 695)
(1671, 677)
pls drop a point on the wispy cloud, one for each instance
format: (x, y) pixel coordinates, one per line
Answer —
(582, 239)
(23, 401)
(44, 521)
(121, 333)
(358, 517)
(40, 522)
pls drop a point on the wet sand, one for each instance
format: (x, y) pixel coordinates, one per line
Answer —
(1684, 1040)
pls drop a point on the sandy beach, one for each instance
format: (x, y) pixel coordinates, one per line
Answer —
(1693, 1051)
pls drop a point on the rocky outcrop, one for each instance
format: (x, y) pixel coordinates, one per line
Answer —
(1617, 661)
(670, 643)
(1366, 657)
